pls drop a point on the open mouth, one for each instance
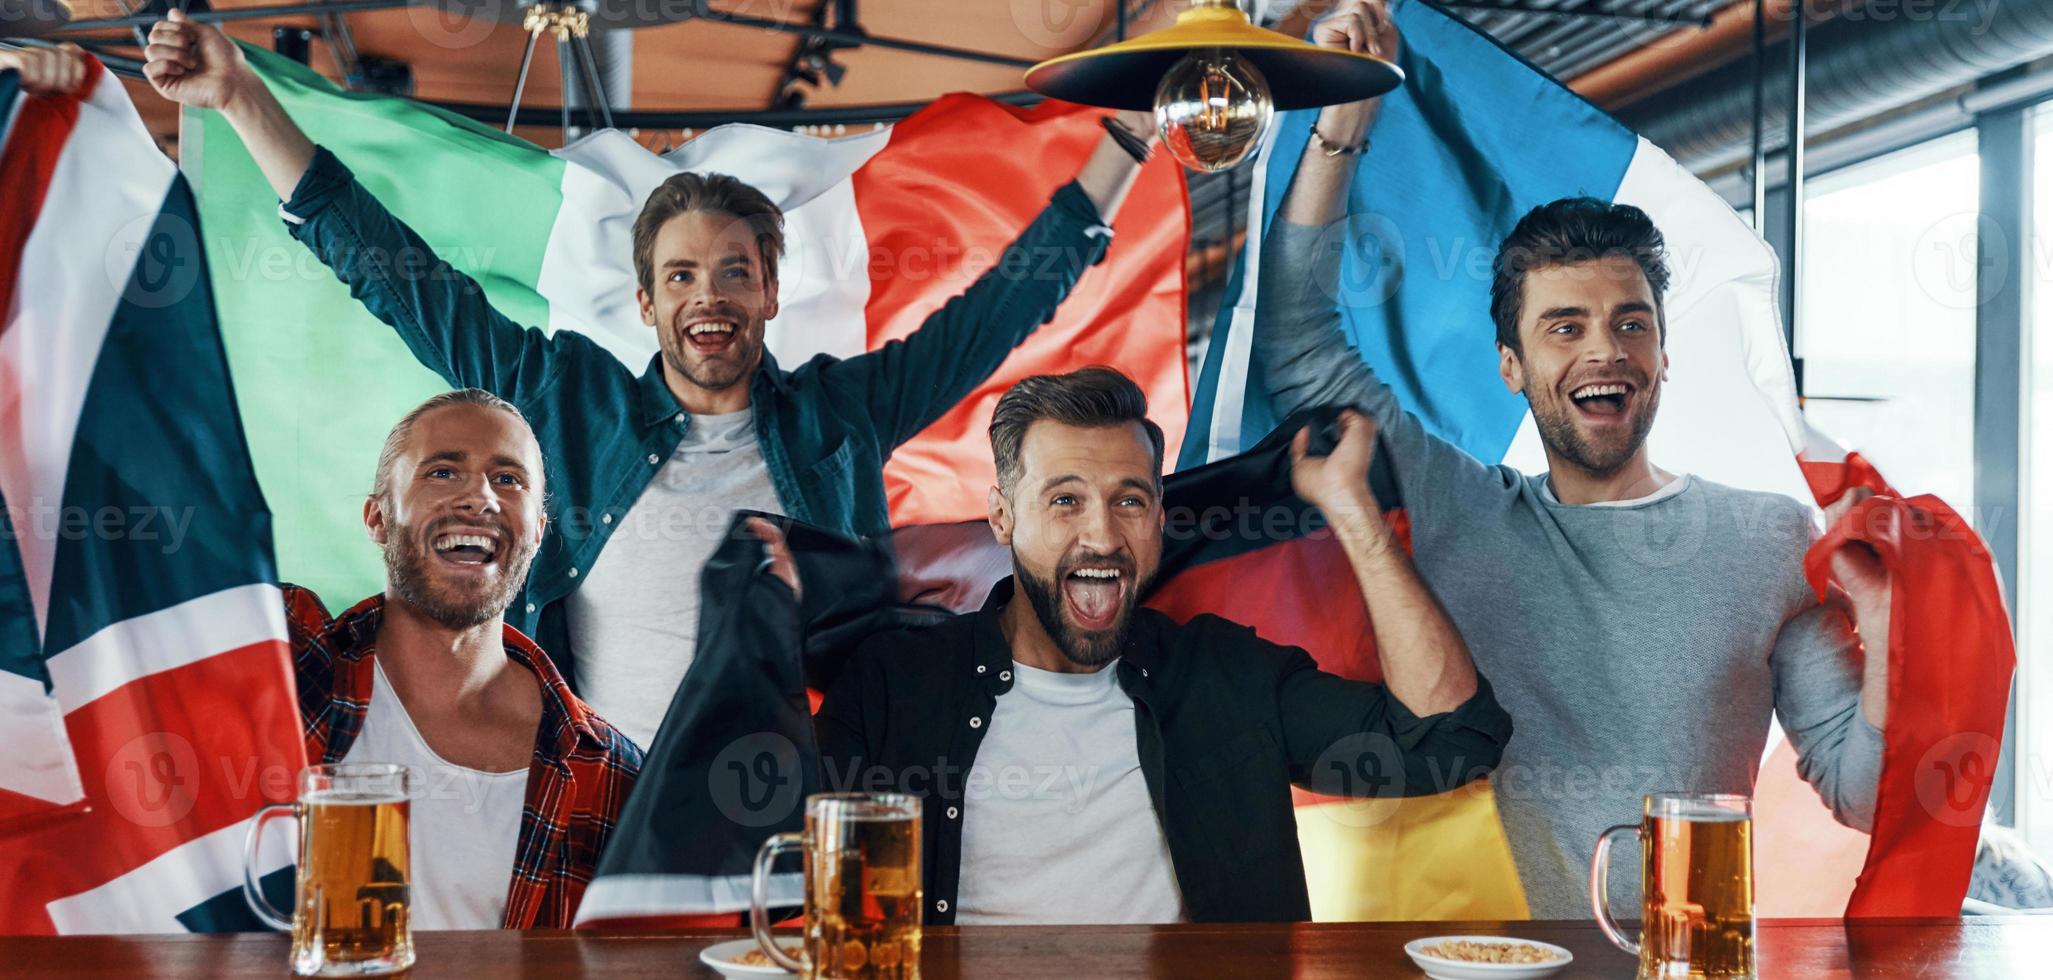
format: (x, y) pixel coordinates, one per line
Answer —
(1095, 594)
(711, 336)
(1604, 399)
(465, 548)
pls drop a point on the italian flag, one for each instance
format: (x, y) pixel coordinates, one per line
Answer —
(882, 227)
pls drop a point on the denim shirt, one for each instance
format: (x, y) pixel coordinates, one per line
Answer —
(825, 428)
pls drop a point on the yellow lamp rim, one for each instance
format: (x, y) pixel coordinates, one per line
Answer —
(1350, 75)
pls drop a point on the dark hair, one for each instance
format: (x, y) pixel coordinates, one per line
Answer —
(1565, 232)
(381, 485)
(712, 194)
(1090, 397)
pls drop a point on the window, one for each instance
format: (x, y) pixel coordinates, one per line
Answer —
(1887, 331)
(2033, 606)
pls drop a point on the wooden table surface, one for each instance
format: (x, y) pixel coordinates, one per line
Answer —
(1998, 947)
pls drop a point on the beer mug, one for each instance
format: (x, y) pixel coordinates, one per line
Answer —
(862, 888)
(350, 910)
(1697, 887)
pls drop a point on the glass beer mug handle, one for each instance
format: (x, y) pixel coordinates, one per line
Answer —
(1600, 905)
(759, 903)
(252, 892)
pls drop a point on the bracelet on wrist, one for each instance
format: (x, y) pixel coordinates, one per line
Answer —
(1135, 146)
(1333, 149)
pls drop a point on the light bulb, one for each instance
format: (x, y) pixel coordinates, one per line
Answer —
(1212, 109)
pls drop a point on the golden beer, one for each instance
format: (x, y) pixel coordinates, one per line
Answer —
(862, 888)
(1697, 888)
(350, 914)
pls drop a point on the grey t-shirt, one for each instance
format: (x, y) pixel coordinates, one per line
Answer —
(635, 621)
(1057, 823)
(1639, 648)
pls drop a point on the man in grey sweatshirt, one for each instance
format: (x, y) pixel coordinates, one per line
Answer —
(1641, 626)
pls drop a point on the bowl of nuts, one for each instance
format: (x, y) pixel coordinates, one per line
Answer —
(1486, 958)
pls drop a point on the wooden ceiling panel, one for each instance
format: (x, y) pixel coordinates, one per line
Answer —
(699, 65)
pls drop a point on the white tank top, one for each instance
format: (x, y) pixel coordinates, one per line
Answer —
(465, 822)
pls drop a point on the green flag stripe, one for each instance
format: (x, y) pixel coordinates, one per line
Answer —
(318, 378)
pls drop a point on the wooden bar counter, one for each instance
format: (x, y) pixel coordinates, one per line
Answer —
(1996, 947)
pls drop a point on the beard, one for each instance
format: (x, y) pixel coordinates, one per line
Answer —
(1555, 417)
(715, 372)
(408, 579)
(1084, 648)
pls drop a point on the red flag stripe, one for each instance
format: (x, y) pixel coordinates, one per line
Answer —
(34, 143)
(937, 208)
(1951, 655)
(184, 752)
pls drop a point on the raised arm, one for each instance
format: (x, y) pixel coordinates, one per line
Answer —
(442, 314)
(907, 384)
(1353, 738)
(1425, 663)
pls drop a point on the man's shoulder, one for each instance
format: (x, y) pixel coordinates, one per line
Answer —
(611, 745)
(1765, 533)
(1788, 523)
(304, 609)
(945, 637)
(1211, 640)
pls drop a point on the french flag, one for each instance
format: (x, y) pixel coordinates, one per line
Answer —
(1474, 139)
(146, 698)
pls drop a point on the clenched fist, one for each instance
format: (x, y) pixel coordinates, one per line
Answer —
(194, 64)
(47, 71)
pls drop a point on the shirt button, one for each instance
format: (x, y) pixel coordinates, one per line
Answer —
(531, 607)
(680, 418)
(976, 723)
(1005, 675)
(980, 668)
(573, 573)
(1144, 670)
(941, 906)
(653, 458)
(605, 518)
(953, 813)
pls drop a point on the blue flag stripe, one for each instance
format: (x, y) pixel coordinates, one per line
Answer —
(1474, 139)
(162, 494)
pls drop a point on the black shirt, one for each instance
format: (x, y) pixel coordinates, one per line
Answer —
(1224, 723)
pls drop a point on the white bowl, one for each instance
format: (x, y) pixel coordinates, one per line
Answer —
(721, 957)
(1446, 969)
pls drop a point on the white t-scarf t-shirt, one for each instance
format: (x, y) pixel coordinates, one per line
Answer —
(635, 621)
(1057, 824)
(465, 823)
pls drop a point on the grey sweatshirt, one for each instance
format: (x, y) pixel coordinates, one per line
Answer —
(1639, 647)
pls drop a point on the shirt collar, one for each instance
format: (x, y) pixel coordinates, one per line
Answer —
(992, 653)
(565, 719)
(658, 405)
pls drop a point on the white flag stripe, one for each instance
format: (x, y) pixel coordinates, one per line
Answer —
(167, 639)
(149, 898)
(646, 895)
(39, 759)
(1728, 410)
(104, 193)
(1230, 393)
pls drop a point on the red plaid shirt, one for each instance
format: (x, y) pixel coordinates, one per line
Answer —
(582, 771)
